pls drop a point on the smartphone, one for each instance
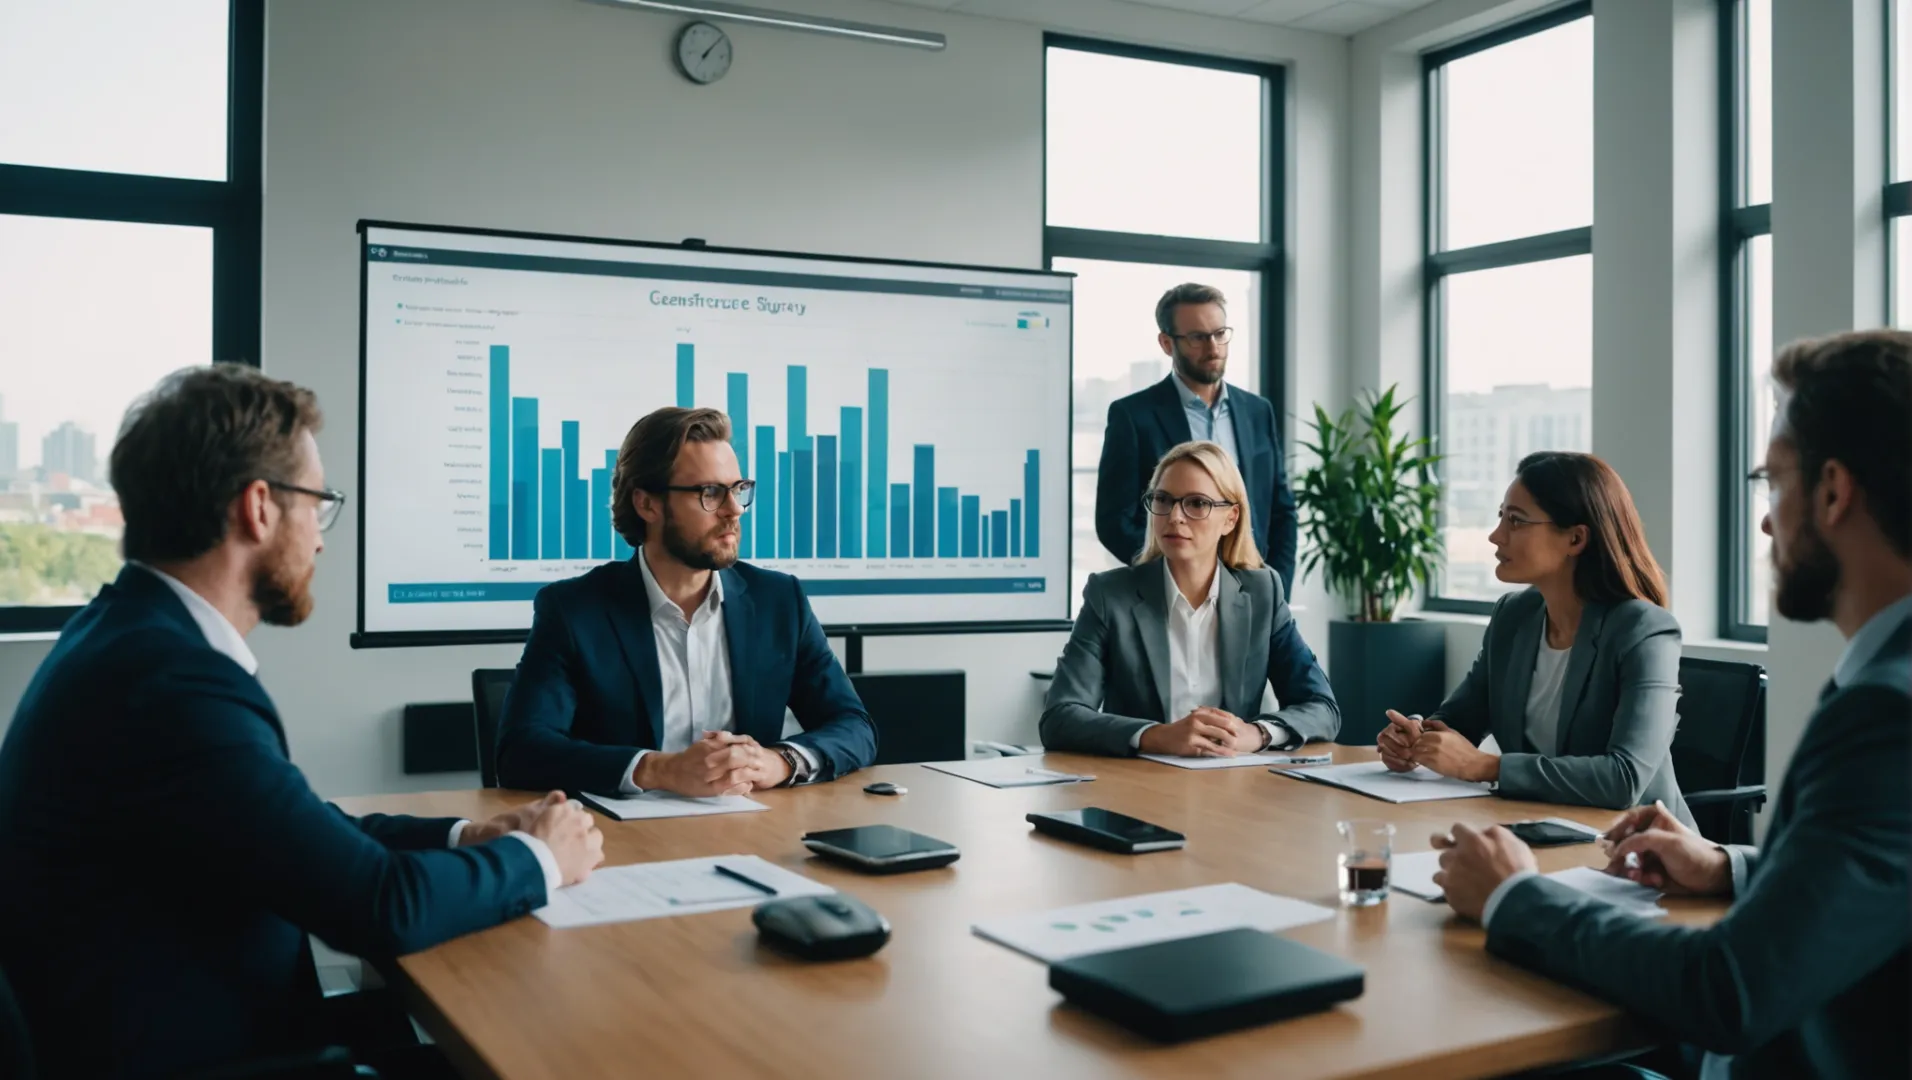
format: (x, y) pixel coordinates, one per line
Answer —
(881, 849)
(1550, 833)
(1107, 830)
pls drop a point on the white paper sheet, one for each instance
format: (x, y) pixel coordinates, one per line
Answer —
(1413, 874)
(679, 887)
(1007, 772)
(663, 804)
(1236, 762)
(1633, 897)
(1068, 932)
(1371, 778)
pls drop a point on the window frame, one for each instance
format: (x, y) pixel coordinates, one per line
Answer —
(229, 207)
(1897, 200)
(1268, 258)
(1438, 265)
(1739, 225)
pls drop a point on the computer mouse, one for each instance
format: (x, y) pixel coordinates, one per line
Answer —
(884, 787)
(833, 927)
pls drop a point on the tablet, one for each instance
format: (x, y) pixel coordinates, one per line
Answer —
(881, 849)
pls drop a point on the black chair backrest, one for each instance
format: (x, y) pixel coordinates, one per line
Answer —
(919, 715)
(488, 689)
(16, 1049)
(1722, 711)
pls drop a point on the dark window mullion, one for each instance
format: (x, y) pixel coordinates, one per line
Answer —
(1527, 249)
(34, 191)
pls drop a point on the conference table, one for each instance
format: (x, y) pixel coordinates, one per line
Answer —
(697, 996)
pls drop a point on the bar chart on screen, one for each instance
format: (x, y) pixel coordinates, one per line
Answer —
(905, 428)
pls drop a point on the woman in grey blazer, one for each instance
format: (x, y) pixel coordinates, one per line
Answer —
(1578, 677)
(1170, 655)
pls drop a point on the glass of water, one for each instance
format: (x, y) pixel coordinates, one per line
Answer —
(1367, 848)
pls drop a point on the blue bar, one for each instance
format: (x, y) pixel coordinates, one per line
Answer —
(600, 513)
(999, 534)
(849, 505)
(983, 538)
(737, 394)
(797, 407)
(803, 466)
(946, 503)
(497, 591)
(1032, 505)
(524, 478)
(924, 531)
(784, 504)
(826, 496)
(765, 510)
(577, 496)
(620, 550)
(879, 458)
(686, 375)
(500, 436)
(972, 517)
(900, 521)
(1015, 528)
(553, 545)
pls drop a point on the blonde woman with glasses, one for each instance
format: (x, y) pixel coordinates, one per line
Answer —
(1171, 655)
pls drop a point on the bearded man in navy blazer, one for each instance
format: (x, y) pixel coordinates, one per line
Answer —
(671, 671)
(1194, 403)
(164, 860)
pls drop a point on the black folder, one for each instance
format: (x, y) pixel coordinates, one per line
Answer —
(1175, 990)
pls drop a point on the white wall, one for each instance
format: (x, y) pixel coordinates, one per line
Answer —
(565, 116)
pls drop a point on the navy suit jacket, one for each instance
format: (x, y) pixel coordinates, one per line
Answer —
(1147, 424)
(589, 694)
(163, 859)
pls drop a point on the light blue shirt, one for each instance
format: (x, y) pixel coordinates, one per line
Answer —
(1216, 425)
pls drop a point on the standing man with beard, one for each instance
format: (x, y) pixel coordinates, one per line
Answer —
(1807, 974)
(671, 671)
(163, 858)
(1194, 403)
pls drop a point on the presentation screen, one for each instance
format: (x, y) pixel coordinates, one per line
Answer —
(906, 425)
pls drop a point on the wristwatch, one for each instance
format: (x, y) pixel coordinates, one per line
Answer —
(799, 769)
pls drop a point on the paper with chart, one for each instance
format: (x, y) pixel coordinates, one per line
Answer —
(1007, 772)
(1050, 936)
(680, 887)
(1239, 761)
(1373, 779)
(663, 804)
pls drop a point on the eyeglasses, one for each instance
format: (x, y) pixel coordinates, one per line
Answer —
(1516, 522)
(711, 496)
(1216, 337)
(330, 501)
(1194, 507)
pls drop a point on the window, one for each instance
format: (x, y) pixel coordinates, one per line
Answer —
(1898, 189)
(1140, 198)
(1746, 306)
(1509, 272)
(129, 247)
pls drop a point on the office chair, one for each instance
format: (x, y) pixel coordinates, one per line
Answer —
(488, 689)
(1719, 749)
(919, 715)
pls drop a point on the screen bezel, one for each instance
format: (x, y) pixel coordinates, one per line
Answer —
(363, 639)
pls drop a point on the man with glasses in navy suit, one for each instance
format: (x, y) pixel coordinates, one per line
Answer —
(671, 671)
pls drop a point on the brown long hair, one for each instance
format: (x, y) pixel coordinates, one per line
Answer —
(1580, 489)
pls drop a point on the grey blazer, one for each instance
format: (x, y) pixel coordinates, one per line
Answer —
(1617, 705)
(1807, 975)
(1113, 677)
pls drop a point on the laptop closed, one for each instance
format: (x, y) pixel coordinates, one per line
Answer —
(1185, 989)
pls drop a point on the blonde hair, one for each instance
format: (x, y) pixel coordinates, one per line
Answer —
(1237, 549)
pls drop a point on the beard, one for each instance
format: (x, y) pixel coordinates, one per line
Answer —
(1198, 371)
(282, 593)
(708, 552)
(1803, 587)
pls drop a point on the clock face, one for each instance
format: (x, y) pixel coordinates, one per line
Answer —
(703, 52)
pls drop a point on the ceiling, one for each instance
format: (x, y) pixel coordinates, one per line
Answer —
(1322, 16)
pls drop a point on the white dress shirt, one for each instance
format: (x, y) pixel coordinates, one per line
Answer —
(1194, 658)
(1543, 696)
(693, 667)
(226, 640)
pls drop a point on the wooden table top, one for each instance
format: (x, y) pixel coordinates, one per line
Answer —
(696, 995)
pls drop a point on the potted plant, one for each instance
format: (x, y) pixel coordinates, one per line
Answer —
(1368, 508)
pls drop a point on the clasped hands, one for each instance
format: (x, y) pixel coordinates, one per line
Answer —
(1408, 741)
(1647, 845)
(1205, 732)
(718, 763)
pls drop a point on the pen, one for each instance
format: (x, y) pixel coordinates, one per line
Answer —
(1034, 771)
(1301, 759)
(752, 882)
